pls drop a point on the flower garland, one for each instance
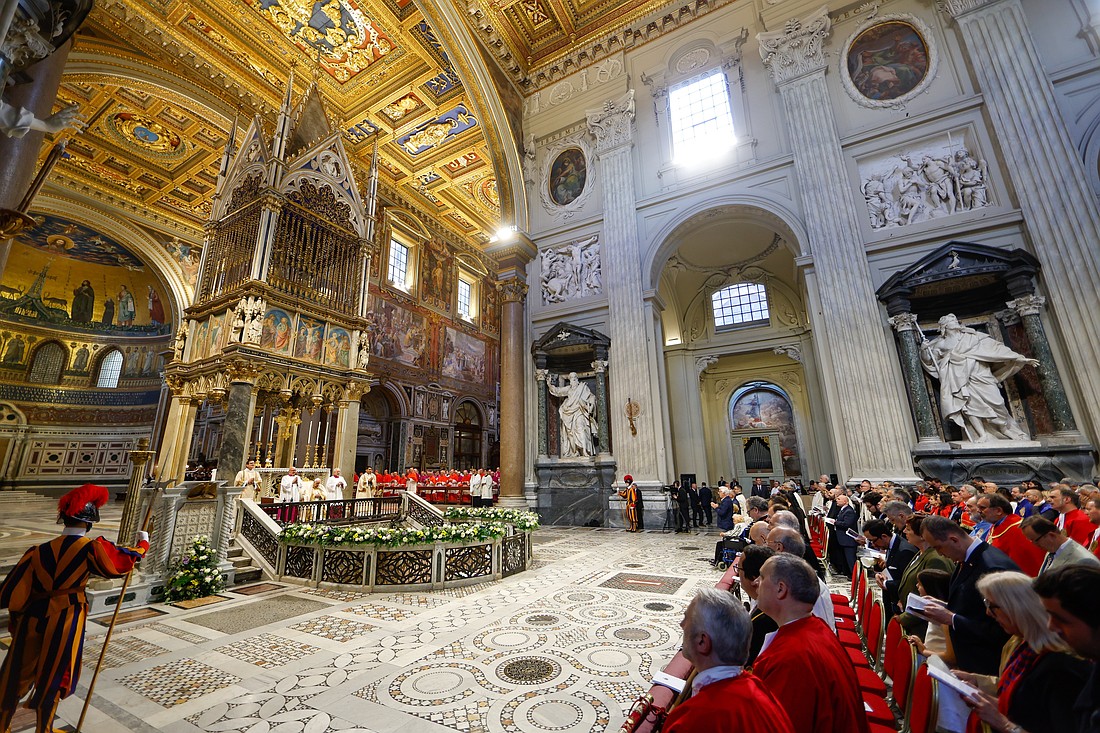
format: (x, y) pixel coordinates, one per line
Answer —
(521, 520)
(196, 574)
(319, 534)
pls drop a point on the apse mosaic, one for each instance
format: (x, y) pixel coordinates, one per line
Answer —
(766, 409)
(345, 40)
(64, 272)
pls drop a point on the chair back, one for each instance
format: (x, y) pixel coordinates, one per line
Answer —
(855, 585)
(905, 669)
(891, 647)
(924, 705)
(873, 629)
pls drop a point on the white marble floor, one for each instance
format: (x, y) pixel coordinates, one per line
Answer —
(565, 646)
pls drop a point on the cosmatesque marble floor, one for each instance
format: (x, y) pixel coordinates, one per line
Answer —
(566, 646)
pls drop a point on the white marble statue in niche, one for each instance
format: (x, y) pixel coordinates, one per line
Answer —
(970, 367)
(577, 413)
(915, 189)
(571, 271)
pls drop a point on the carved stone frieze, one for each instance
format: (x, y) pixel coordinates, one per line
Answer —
(702, 363)
(571, 271)
(955, 8)
(917, 186)
(790, 350)
(612, 124)
(796, 50)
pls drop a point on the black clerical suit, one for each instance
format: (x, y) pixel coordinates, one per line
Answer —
(705, 498)
(683, 509)
(975, 636)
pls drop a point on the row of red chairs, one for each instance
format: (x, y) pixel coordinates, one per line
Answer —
(876, 646)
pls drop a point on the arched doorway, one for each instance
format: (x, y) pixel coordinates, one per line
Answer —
(763, 435)
(468, 437)
(375, 429)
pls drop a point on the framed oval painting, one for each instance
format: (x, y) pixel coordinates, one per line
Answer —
(568, 173)
(888, 61)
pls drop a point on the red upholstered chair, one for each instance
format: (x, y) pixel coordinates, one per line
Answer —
(869, 682)
(904, 670)
(873, 631)
(880, 713)
(891, 647)
(924, 704)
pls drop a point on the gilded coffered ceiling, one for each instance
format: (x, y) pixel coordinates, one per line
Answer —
(160, 84)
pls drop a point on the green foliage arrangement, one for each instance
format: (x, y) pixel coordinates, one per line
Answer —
(521, 520)
(196, 574)
(319, 534)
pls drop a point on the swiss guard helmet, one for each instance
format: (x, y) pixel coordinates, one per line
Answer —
(82, 503)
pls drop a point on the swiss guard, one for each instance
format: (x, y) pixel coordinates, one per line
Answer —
(44, 594)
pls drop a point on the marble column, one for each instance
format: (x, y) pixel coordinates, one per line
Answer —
(1047, 173)
(237, 428)
(866, 409)
(513, 362)
(177, 438)
(347, 433)
(131, 508)
(1028, 307)
(602, 425)
(629, 367)
(907, 334)
(541, 376)
(685, 376)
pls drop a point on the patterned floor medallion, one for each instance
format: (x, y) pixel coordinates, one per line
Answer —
(529, 670)
(644, 583)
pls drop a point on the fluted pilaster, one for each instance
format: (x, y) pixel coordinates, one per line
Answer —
(612, 126)
(865, 404)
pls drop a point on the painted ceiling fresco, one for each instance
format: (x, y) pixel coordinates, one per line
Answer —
(156, 144)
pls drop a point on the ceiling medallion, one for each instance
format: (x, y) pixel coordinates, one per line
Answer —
(346, 40)
(146, 133)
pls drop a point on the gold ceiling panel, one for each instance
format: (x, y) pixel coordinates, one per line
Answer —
(381, 69)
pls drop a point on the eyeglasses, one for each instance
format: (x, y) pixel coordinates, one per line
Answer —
(990, 606)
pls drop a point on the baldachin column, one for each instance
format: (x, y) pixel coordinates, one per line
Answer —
(872, 439)
(1048, 175)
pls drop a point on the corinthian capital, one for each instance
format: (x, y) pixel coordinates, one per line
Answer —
(903, 322)
(611, 124)
(955, 8)
(797, 49)
(1027, 305)
(512, 291)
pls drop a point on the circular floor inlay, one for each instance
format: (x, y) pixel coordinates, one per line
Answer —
(690, 547)
(436, 683)
(581, 597)
(508, 638)
(609, 658)
(630, 634)
(633, 565)
(542, 619)
(529, 670)
(555, 715)
(658, 606)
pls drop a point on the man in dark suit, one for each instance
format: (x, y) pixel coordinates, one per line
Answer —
(683, 506)
(705, 499)
(846, 519)
(976, 637)
(899, 554)
(759, 489)
(696, 505)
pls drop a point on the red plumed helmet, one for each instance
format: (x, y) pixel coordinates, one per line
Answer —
(83, 503)
(628, 479)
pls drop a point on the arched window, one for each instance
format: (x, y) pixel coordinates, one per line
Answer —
(47, 364)
(467, 450)
(744, 304)
(110, 369)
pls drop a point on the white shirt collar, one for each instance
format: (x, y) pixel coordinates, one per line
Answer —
(714, 674)
(74, 531)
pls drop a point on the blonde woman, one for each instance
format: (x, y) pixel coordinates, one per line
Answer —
(1040, 678)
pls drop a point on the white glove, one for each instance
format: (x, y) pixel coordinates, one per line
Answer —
(142, 536)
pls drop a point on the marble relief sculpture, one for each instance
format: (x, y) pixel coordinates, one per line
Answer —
(970, 367)
(571, 271)
(928, 187)
(577, 413)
